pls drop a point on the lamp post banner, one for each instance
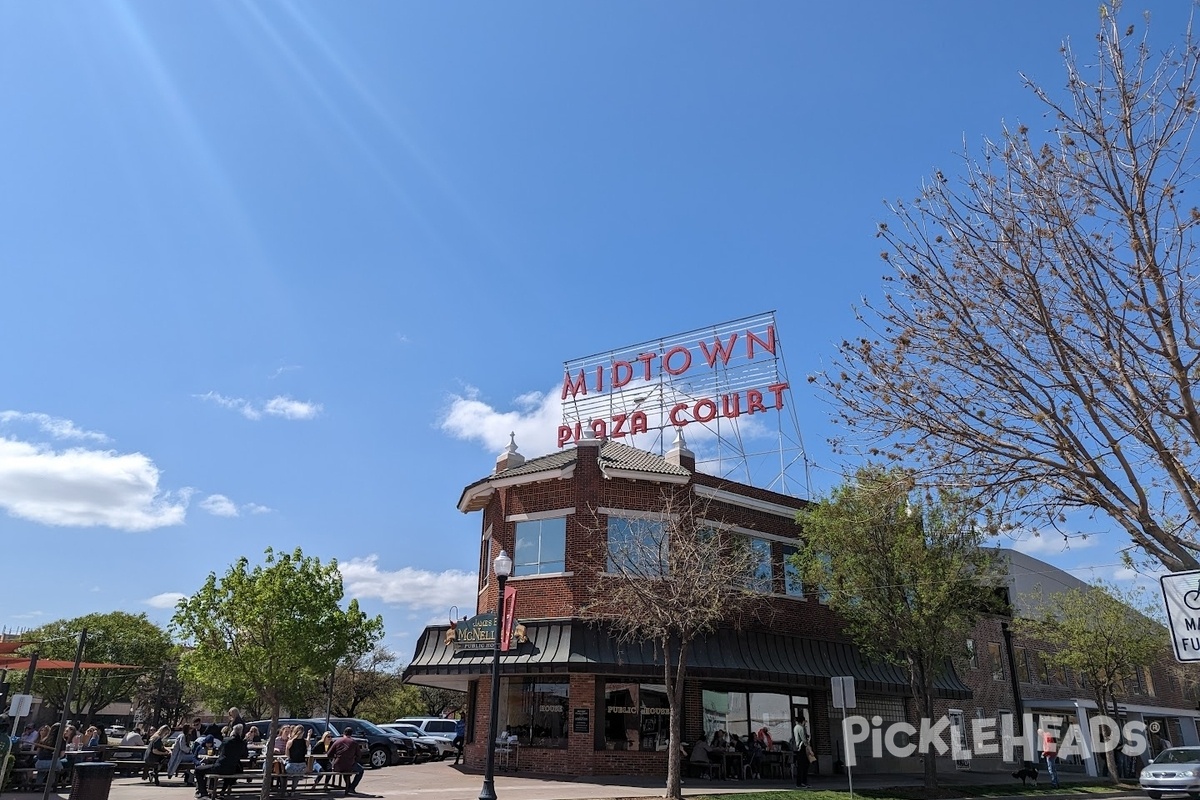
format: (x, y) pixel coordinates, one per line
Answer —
(509, 617)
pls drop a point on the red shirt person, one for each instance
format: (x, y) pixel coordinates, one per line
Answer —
(343, 757)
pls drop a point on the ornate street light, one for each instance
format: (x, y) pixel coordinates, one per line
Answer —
(501, 568)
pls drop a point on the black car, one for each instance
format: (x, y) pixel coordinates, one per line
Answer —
(384, 747)
(318, 726)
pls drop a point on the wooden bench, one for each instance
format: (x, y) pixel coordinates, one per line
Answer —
(251, 783)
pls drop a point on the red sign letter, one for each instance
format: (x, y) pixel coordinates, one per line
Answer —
(579, 385)
(687, 360)
(622, 373)
(719, 350)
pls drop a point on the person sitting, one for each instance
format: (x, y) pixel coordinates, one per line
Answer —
(321, 748)
(181, 754)
(49, 754)
(703, 759)
(297, 756)
(134, 738)
(229, 762)
(343, 757)
(718, 740)
(755, 758)
(156, 754)
(764, 738)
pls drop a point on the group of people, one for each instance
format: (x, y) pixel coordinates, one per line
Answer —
(753, 749)
(293, 746)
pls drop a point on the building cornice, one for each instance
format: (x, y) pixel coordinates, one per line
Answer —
(741, 500)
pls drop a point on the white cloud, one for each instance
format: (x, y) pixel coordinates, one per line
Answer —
(219, 506)
(413, 588)
(164, 600)
(1043, 543)
(56, 427)
(286, 407)
(278, 406)
(535, 423)
(83, 488)
(255, 508)
(244, 407)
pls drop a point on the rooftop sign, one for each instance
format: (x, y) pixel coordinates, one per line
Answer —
(705, 376)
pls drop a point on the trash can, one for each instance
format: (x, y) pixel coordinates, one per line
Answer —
(92, 780)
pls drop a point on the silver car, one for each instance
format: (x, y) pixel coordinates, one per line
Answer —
(1176, 769)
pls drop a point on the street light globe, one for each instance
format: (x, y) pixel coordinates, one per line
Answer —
(502, 565)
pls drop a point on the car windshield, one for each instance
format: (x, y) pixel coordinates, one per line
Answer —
(362, 724)
(1178, 755)
(409, 730)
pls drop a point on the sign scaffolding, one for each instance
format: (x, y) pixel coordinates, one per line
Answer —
(725, 387)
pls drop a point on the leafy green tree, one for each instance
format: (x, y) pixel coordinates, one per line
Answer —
(1100, 633)
(906, 569)
(113, 638)
(274, 629)
(1037, 335)
(400, 701)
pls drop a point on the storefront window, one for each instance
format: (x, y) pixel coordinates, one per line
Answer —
(637, 716)
(637, 547)
(745, 713)
(535, 711)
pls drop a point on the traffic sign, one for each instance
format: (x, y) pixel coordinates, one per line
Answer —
(19, 705)
(843, 692)
(1181, 593)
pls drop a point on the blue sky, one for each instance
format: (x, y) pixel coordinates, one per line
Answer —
(281, 274)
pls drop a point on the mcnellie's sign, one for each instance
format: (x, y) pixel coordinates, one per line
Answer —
(705, 376)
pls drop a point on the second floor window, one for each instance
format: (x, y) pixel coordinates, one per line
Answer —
(541, 547)
(792, 585)
(759, 579)
(637, 547)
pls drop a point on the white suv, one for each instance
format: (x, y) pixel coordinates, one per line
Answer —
(436, 726)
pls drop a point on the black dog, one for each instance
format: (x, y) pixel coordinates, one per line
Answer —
(1028, 772)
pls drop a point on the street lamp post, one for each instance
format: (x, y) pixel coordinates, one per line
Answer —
(502, 568)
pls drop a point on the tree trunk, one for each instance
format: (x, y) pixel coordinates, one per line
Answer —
(1110, 755)
(269, 752)
(925, 687)
(673, 675)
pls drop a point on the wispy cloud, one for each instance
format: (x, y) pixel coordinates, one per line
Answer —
(219, 506)
(280, 370)
(78, 487)
(413, 588)
(56, 427)
(278, 406)
(288, 408)
(164, 600)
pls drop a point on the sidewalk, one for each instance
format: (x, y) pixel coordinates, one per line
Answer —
(440, 781)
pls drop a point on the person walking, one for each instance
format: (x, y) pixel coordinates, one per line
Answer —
(343, 757)
(801, 742)
(1049, 755)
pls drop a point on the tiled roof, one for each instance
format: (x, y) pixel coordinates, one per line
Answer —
(614, 455)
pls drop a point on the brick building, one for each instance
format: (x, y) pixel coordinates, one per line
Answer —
(1008, 674)
(578, 703)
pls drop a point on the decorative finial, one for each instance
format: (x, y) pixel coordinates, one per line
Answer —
(679, 441)
(512, 443)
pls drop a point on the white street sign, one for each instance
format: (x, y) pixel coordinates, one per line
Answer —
(1181, 593)
(18, 705)
(843, 692)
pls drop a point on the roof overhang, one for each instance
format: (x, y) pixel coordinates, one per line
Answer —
(742, 501)
(476, 496)
(641, 475)
(562, 646)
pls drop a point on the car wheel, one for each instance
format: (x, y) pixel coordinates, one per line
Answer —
(379, 757)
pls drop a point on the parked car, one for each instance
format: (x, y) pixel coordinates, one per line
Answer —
(384, 746)
(438, 726)
(1176, 769)
(318, 726)
(115, 731)
(438, 746)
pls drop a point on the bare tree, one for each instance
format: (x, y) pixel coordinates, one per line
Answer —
(1038, 339)
(363, 678)
(672, 576)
